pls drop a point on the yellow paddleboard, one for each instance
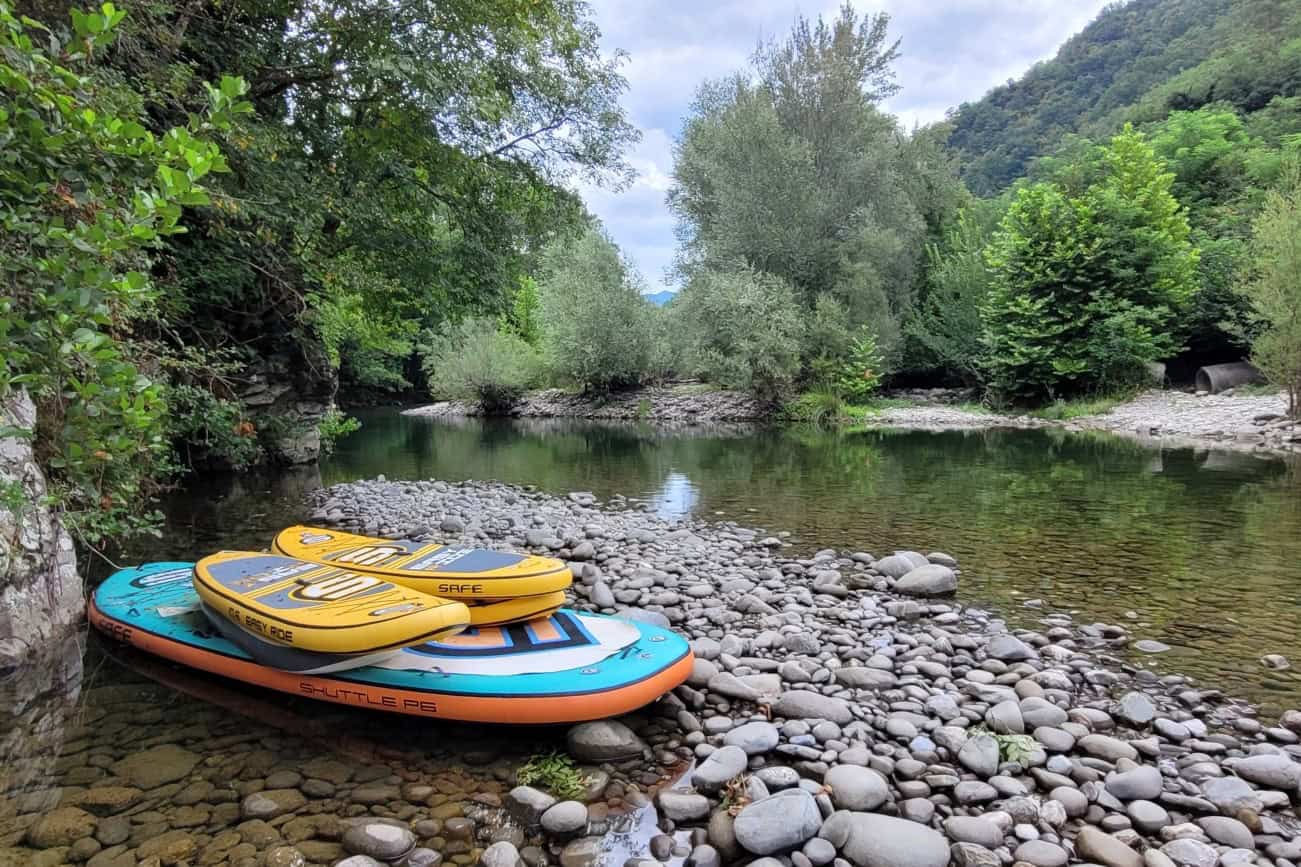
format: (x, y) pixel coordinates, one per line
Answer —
(465, 574)
(321, 608)
(504, 611)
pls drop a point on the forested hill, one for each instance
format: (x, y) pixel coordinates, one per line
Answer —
(1137, 61)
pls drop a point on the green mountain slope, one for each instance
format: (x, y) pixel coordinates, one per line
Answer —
(1138, 61)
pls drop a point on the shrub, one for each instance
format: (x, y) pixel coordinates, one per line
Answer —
(1274, 286)
(477, 361)
(860, 374)
(595, 322)
(209, 430)
(334, 426)
(821, 407)
(828, 338)
(742, 329)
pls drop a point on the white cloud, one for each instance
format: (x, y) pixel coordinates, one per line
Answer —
(951, 52)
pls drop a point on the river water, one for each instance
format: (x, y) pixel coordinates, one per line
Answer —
(1200, 550)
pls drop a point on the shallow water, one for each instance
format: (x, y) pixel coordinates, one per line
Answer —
(1203, 549)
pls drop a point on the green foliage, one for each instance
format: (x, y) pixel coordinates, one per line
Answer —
(525, 318)
(476, 360)
(861, 373)
(741, 329)
(1087, 281)
(946, 326)
(1066, 410)
(1273, 286)
(791, 169)
(596, 326)
(820, 407)
(88, 192)
(1011, 748)
(209, 430)
(1136, 61)
(334, 426)
(555, 773)
(828, 338)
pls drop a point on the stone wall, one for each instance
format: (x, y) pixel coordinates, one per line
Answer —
(41, 595)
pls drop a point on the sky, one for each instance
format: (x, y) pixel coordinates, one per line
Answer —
(951, 51)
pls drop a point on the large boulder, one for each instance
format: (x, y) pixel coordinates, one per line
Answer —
(777, 823)
(855, 788)
(873, 840)
(803, 704)
(605, 740)
(930, 580)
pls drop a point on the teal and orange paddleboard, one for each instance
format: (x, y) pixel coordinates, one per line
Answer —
(568, 667)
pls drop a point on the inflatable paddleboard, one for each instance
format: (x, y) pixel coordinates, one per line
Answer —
(465, 574)
(569, 667)
(321, 608)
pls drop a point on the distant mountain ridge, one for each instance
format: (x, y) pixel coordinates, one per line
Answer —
(1137, 61)
(659, 299)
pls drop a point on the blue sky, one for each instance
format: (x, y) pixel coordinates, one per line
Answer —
(952, 51)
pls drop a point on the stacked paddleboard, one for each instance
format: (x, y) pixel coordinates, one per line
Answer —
(403, 626)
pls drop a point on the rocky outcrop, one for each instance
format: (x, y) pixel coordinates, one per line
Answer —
(40, 591)
(287, 394)
(666, 404)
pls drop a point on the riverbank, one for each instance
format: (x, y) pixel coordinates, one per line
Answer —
(839, 707)
(1240, 422)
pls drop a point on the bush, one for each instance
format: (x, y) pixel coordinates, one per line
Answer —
(207, 430)
(821, 407)
(477, 361)
(334, 426)
(742, 329)
(828, 338)
(1274, 286)
(596, 326)
(860, 374)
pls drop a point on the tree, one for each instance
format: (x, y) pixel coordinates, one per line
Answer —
(1087, 285)
(595, 322)
(792, 169)
(741, 329)
(87, 196)
(1273, 286)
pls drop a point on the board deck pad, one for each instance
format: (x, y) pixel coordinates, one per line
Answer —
(441, 570)
(570, 667)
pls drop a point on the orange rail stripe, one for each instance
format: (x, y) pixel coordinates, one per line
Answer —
(513, 709)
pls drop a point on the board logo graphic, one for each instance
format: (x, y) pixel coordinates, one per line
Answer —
(335, 587)
(370, 555)
(159, 578)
